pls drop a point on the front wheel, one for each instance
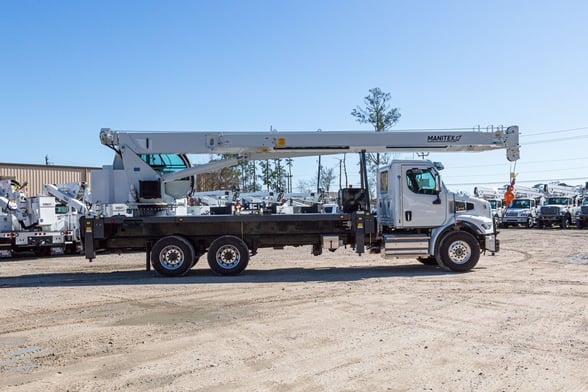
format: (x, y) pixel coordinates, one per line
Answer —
(529, 222)
(228, 255)
(565, 224)
(459, 251)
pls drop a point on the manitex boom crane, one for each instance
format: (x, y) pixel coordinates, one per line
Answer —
(416, 215)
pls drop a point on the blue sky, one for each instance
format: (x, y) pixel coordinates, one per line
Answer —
(70, 68)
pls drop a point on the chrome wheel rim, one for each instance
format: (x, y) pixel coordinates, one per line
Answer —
(228, 256)
(460, 252)
(171, 257)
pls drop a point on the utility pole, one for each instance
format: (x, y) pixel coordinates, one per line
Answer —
(318, 177)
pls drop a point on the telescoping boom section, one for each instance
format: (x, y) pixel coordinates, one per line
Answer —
(265, 145)
(415, 215)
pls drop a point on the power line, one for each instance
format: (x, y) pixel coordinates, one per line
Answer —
(520, 163)
(519, 172)
(552, 132)
(562, 139)
(541, 181)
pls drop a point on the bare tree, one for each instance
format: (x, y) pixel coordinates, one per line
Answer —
(378, 112)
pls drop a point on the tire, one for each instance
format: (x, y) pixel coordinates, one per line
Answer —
(564, 224)
(459, 252)
(228, 255)
(172, 256)
(529, 222)
(429, 260)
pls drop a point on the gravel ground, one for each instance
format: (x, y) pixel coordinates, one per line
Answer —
(294, 322)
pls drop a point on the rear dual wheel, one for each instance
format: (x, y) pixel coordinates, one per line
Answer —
(228, 255)
(173, 256)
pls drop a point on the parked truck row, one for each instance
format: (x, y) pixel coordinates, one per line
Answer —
(541, 206)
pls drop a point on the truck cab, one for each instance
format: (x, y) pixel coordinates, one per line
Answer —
(521, 211)
(582, 215)
(418, 216)
(558, 210)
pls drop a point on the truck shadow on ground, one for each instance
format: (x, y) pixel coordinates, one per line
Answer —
(204, 276)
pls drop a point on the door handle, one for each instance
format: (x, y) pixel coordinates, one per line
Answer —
(408, 216)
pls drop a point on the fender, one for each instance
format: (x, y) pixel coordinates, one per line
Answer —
(439, 233)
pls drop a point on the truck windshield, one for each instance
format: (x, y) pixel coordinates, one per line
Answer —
(520, 203)
(494, 204)
(558, 200)
(166, 163)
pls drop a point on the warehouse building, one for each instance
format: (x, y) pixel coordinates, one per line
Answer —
(37, 175)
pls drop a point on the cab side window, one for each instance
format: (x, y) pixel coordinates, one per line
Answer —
(421, 181)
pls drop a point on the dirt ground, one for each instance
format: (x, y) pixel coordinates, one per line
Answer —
(294, 322)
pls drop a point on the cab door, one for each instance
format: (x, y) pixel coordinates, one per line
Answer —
(424, 201)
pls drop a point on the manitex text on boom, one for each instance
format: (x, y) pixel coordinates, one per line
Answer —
(443, 138)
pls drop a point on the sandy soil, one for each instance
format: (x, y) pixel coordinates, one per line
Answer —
(294, 322)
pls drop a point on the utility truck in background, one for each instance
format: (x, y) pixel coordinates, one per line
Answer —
(494, 197)
(28, 223)
(416, 216)
(523, 209)
(73, 201)
(560, 206)
(582, 212)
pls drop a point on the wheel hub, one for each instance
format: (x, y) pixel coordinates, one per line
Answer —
(228, 256)
(460, 252)
(171, 257)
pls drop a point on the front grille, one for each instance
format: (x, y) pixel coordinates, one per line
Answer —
(584, 210)
(549, 210)
(511, 213)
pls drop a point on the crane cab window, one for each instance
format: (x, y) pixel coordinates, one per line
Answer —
(421, 181)
(165, 163)
(61, 209)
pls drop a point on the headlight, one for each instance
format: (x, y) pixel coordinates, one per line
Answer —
(487, 226)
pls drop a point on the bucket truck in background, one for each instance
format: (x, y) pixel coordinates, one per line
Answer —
(493, 196)
(417, 217)
(582, 212)
(28, 223)
(72, 203)
(561, 204)
(523, 209)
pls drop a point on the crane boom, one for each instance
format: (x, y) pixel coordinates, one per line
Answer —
(144, 159)
(264, 145)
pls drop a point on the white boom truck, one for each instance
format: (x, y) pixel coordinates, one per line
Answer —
(417, 217)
